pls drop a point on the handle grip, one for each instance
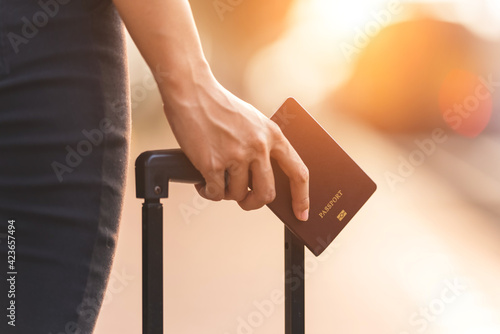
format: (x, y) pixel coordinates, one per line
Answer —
(154, 170)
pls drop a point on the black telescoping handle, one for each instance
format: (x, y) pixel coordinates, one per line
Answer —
(154, 170)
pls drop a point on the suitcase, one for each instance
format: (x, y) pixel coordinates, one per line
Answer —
(154, 170)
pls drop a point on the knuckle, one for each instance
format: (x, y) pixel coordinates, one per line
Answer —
(301, 204)
(236, 164)
(213, 193)
(275, 130)
(250, 154)
(216, 167)
(238, 156)
(267, 196)
(259, 143)
(302, 174)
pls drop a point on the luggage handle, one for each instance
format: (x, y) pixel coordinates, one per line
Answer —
(154, 170)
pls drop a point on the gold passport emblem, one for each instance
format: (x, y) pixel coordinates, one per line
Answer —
(341, 215)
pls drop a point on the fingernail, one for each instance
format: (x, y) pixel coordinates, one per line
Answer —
(304, 216)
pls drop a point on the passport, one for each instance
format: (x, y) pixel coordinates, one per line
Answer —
(338, 187)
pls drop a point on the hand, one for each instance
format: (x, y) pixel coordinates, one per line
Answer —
(219, 132)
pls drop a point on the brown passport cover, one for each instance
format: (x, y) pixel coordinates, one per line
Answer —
(337, 185)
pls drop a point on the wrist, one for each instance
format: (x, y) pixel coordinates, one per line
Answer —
(181, 84)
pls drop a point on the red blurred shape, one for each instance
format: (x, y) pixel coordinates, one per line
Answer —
(465, 101)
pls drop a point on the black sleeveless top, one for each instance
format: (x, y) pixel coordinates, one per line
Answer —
(64, 129)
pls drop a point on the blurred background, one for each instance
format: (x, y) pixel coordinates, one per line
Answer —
(411, 90)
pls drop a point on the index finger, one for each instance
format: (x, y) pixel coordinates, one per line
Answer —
(298, 174)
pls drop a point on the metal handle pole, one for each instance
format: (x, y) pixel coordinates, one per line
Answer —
(294, 284)
(152, 267)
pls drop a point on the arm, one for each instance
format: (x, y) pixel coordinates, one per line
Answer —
(215, 129)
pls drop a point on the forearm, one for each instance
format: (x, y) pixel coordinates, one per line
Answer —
(218, 132)
(165, 33)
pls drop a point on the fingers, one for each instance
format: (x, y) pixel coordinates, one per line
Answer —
(263, 191)
(298, 174)
(237, 183)
(214, 186)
